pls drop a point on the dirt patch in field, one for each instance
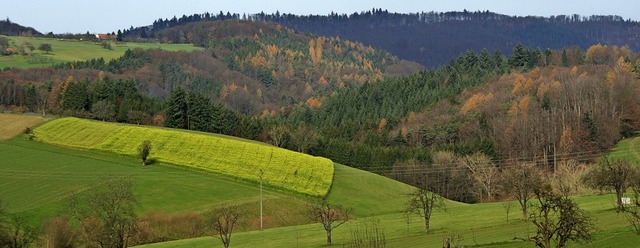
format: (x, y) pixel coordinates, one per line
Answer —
(12, 125)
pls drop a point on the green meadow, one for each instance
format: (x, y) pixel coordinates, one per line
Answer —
(75, 50)
(36, 179)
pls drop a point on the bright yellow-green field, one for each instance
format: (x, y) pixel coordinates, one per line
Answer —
(75, 50)
(215, 153)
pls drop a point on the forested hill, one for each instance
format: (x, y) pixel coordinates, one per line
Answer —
(433, 38)
(9, 28)
(254, 68)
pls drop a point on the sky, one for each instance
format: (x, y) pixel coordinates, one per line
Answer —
(80, 16)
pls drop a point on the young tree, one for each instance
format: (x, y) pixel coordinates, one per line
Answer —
(143, 151)
(422, 202)
(558, 220)
(521, 183)
(330, 216)
(613, 174)
(223, 221)
(107, 214)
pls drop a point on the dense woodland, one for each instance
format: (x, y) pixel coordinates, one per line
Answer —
(354, 104)
(431, 38)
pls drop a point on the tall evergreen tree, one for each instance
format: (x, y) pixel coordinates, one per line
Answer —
(565, 59)
(199, 112)
(177, 109)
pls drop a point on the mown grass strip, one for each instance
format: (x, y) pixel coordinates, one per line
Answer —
(233, 157)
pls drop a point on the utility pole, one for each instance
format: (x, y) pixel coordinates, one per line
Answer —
(260, 199)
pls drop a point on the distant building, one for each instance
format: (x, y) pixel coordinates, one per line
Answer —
(108, 37)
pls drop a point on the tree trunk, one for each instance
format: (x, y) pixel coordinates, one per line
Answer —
(328, 237)
(619, 195)
(426, 224)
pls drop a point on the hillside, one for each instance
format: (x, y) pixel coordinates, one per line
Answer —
(224, 155)
(434, 38)
(254, 68)
(9, 28)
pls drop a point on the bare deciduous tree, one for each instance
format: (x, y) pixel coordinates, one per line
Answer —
(568, 176)
(558, 220)
(330, 216)
(278, 135)
(520, 182)
(632, 212)
(612, 174)
(423, 202)
(484, 172)
(223, 220)
(107, 214)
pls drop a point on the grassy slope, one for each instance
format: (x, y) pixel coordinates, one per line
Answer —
(220, 154)
(482, 225)
(73, 50)
(627, 149)
(36, 178)
(12, 125)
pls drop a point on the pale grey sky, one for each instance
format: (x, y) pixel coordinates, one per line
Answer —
(79, 16)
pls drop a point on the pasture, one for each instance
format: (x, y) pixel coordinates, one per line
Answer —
(75, 50)
(469, 225)
(232, 157)
(36, 179)
(12, 125)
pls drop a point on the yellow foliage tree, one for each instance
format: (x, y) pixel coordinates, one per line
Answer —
(622, 65)
(404, 132)
(224, 92)
(475, 101)
(258, 60)
(308, 88)
(382, 124)
(314, 102)
(233, 87)
(598, 54)
(411, 118)
(323, 81)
